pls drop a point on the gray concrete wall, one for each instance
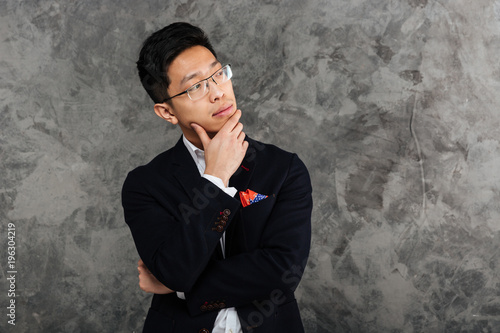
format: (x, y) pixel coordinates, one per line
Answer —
(392, 104)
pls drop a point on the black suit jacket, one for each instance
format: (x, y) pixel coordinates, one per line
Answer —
(177, 218)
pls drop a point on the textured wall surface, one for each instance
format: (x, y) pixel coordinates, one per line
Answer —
(392, 104)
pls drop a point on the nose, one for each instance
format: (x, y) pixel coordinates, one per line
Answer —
(215, 90)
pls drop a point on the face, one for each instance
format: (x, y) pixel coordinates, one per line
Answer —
(211, 111)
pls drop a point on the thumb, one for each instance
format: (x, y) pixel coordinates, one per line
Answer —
(205, 139)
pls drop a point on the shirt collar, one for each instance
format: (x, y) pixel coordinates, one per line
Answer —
(196, 153)
(190, 147)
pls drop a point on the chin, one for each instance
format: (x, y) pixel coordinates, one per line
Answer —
(215, 128)
(212, 132)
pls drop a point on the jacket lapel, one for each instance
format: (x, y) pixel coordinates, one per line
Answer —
(185, 169)
(188, 175)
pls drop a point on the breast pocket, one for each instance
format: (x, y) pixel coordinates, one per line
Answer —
(255, 217)
(262, 206)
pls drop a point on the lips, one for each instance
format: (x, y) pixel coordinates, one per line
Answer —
(223, 111)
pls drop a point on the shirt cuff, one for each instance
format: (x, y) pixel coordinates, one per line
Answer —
(231, 191)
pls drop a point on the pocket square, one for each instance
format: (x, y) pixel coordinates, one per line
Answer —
(249, 197)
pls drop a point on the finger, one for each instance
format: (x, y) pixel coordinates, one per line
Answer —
(141, 264)
(241, 137)
(143, 269)
(205, 139)
(238, 128)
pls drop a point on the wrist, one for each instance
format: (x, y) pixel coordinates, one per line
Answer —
(231, 191)
(223, 178)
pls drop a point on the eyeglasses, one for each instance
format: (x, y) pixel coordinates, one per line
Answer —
(201, 88)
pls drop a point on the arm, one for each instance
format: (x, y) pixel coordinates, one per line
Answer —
(279, 264)
(174, 245)
(276, 266)
(173, 219)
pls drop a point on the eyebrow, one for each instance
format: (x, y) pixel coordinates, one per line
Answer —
(195, 74)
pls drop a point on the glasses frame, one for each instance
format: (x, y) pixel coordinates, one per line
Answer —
(204, 80)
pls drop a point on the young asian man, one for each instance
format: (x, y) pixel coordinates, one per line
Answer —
(222, 223)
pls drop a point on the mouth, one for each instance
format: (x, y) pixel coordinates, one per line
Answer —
(223, 111)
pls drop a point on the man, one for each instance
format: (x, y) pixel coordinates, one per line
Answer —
(222, 222)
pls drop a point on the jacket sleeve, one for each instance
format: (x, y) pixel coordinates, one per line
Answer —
(175, 232)
(276, 266)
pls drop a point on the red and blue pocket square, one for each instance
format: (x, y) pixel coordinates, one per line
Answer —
(249, 197)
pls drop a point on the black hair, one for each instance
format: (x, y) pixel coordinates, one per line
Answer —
(160, 49)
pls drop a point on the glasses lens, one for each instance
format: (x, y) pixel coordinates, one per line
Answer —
(198, 90)
(201, 88)
(223, 75)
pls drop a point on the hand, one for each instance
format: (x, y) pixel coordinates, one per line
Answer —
(148, 282)
(225, 151)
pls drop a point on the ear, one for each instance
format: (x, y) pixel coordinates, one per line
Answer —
(164, 111)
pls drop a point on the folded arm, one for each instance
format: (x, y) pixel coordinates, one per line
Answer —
(276, 266)
(174, 233)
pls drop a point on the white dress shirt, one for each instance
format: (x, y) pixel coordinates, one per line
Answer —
(227, 320)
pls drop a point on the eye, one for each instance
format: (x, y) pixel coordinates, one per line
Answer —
(195, 87)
